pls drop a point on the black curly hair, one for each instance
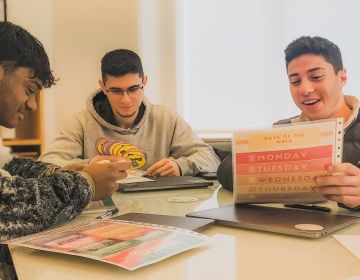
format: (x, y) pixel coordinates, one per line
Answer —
(18, 48)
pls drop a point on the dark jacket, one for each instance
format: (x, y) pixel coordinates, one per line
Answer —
(31, 201)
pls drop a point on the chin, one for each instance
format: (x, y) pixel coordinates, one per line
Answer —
(129, 115)
(10, 125)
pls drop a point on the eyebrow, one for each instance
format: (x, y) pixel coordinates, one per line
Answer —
(309, 71)
(36, 83)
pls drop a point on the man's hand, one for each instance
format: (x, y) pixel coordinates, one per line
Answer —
(341, 184)
(164, 167)
(106, 174)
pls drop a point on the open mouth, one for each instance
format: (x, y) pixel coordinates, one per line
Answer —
(310, 102)
(21, 115)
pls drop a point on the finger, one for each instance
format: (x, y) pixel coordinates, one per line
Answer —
(173, 169)
(121, 175)
(328, 180)
(169, 172)
(341, 168)
(116, 158)
(153, 169)
(165, 169)
(338, 190)
(105, 158)
(124, 164)
(348, 200)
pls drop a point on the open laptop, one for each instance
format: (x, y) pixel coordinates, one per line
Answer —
(305, 223)
(163, 183)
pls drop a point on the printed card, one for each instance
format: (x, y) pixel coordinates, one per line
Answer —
(279, 164)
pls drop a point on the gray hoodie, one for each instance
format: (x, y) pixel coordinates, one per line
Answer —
(157, 130)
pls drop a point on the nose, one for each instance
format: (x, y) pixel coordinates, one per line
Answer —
(125, 97)
(31, 103)
(306, 87)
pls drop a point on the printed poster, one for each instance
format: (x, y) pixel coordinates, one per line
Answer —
(279, 164)
(126, 244)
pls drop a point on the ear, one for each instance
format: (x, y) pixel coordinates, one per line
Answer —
(102, 86)
(342, 75)
(145, 79)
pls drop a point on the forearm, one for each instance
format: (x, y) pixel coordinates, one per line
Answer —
(31, 205)
(67, 147)
(26, 168)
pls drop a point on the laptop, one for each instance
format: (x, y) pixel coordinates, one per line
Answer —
(306, 223)
(189, 223)
(164, 183)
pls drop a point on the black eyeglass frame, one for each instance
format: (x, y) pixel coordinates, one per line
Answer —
(130, 91)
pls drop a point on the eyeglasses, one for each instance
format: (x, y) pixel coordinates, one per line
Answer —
(130, 91)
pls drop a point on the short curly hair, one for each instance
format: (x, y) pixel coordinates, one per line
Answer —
(18, 48)
(317, 46)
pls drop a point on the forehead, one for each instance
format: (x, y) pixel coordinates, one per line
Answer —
(123, 81)
(307, 62)
(24, 75)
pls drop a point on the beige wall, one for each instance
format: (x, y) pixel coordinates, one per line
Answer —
(39, 22)
(77, 33)
(83, 31)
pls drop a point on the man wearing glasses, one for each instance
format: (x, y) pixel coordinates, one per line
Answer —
(119, 110)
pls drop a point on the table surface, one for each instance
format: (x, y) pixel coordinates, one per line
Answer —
(232, 253)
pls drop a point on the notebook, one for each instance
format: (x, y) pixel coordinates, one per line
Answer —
(163, 183)
(304, 223)
(189, 223)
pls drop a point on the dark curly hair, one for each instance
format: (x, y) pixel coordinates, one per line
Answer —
(18, 48)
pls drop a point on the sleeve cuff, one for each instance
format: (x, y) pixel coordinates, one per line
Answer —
(91, 184)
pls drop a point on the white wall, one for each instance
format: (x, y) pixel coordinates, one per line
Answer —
(220, 64)
(234, 72)
(83, 31)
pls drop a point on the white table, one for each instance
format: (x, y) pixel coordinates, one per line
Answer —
(232, 254)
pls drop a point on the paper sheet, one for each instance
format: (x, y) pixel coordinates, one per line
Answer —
(350, 242)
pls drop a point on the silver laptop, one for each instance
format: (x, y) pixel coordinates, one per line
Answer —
(163, 183)
(305, 223)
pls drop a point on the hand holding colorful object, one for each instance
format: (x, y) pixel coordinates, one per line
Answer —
(113, 147)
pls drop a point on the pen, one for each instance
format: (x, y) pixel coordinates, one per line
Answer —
(309, 207)
(108, 213)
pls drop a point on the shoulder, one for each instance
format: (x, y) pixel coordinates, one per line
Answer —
(162, 112)
(80, 118)
(285, 121)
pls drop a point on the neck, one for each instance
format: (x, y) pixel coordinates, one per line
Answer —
(126, 122)
(344, 111)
